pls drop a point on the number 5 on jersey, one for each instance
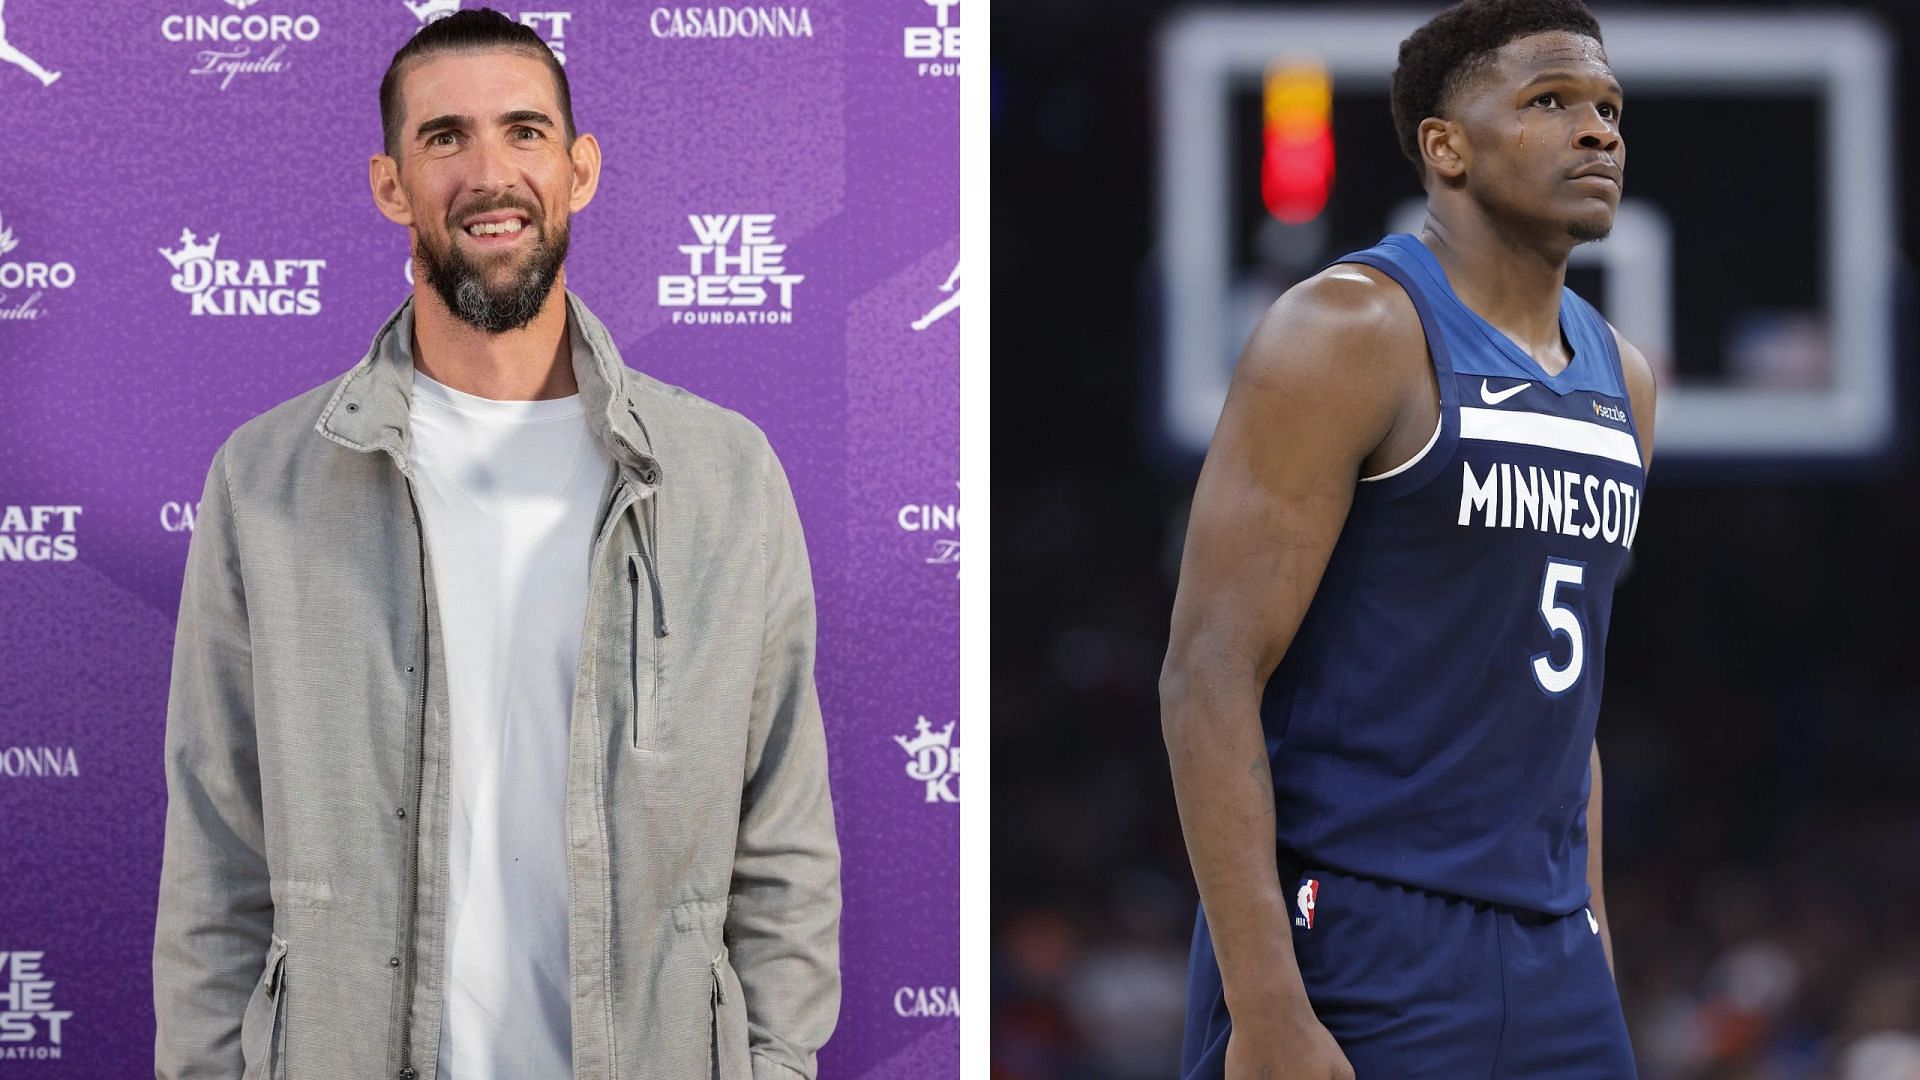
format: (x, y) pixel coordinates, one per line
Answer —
(1561, 619)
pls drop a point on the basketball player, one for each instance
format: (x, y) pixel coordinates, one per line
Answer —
(1424, 482)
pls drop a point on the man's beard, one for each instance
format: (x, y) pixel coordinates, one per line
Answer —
(465, 286)
(1585, 232)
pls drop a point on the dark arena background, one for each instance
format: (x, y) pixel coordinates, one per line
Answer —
(188, 238)
(1761, 726)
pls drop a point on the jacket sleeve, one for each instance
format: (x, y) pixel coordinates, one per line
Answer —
(783, 918)
(215, 914)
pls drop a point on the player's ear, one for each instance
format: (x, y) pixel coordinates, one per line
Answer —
(1443, 146)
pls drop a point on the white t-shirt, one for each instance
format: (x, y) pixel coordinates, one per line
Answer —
(508, 494)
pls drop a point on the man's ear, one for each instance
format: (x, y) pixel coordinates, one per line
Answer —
(1443, 146)
(383, 176)
(586, 171)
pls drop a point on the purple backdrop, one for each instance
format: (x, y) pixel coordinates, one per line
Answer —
(253, 120)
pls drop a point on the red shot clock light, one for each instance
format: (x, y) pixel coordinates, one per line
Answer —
(1296, 162)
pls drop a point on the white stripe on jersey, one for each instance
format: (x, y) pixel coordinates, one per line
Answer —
(1554, 432)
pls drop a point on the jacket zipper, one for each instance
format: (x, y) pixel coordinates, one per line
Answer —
(419, 779)
(659, 631)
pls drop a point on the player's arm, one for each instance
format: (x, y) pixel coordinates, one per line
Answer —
(1641, 390)
(1315, 391)
(1598, 903)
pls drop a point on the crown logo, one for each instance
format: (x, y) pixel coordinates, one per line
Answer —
(242, 5)
(926, 738)
(428, 10)
(189, 250)
(7, 242)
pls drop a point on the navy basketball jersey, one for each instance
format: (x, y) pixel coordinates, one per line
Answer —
(1431, 722)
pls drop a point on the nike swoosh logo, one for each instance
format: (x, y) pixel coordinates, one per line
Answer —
(1487, 395)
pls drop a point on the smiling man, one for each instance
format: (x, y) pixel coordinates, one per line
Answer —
(1423, 486)
(493, 748)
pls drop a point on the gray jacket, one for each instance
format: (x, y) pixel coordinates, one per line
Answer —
(302, 913)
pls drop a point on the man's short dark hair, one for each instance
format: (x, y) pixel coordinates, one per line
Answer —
(1459, 43)
(465, 31)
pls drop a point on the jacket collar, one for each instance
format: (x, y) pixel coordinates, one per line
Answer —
(369, 409)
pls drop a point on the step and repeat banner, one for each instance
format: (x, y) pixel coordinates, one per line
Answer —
(187, 238)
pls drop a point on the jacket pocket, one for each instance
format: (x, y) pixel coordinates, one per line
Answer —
(730, 1053)
(263, 1026)
(644, 657)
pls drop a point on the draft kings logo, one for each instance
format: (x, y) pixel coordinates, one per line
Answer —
(232, 287)
(550, 25)
(933, 760)
(31, 1027)
(736, 274)
(39, 533)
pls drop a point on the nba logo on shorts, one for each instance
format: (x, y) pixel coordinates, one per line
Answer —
(1309, 892)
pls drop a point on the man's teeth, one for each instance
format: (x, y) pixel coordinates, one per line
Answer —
(511, 226)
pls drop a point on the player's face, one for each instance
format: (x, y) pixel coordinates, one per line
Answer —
(1548, 107)
(482, 165)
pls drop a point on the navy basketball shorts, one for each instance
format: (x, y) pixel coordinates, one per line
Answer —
(1420, 984)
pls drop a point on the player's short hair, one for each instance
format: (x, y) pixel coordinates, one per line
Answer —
(471, 31)
(1459, 43)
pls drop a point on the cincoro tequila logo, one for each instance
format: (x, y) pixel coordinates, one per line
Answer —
(938, 523)
(730, 22)
(232, 40)
(933, 760)
(31, 1028)
(39, 534)
(550, 25)
(736, 273)
(936, 47)
(34, 275)
(230, 287)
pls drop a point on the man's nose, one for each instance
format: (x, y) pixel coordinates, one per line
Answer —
(1596, 133)
(495, 170)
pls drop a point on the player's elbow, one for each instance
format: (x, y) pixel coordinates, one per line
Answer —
(1188, 693)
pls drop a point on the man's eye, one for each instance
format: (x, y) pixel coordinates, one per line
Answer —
(435, 140)
(1610, 112)
(1545, 97)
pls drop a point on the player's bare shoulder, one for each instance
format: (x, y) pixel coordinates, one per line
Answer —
(1350, 325)
(1348, 345)
(1352, 306)
(1336, 369)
